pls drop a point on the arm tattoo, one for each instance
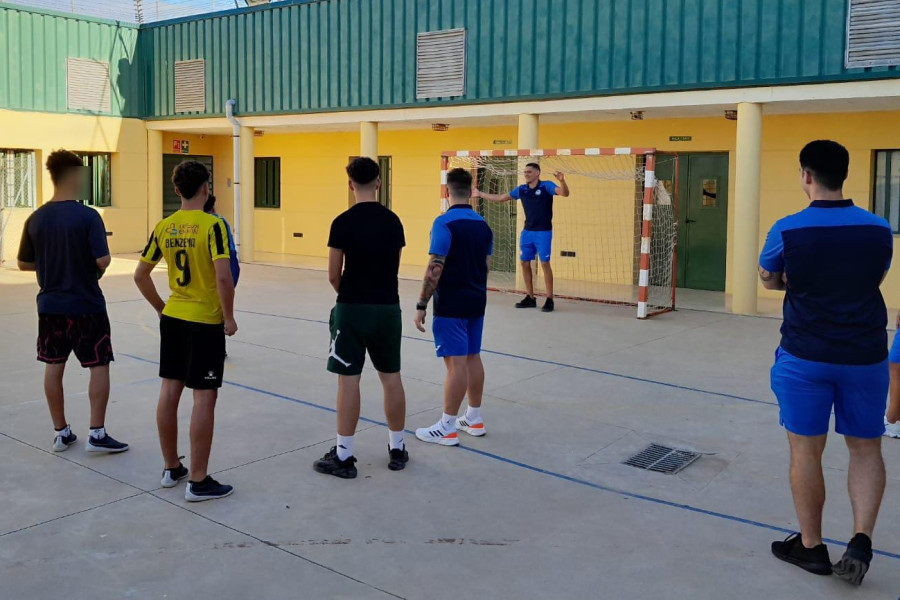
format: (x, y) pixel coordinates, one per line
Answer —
(432, 276)
(766, 275)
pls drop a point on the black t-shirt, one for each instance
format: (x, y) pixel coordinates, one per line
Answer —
(371, 237)
(64, 239)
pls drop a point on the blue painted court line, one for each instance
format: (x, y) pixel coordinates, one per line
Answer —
(554, 474)
(551, 363)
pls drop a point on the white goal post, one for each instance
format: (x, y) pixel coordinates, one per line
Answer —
(613, 237)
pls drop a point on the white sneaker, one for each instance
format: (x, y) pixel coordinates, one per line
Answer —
(436, 435)
(471, 427)
(891, 429)
(61, 442)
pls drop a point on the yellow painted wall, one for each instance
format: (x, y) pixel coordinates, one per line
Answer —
(126, 139)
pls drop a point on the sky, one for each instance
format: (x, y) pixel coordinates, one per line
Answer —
(124, 10)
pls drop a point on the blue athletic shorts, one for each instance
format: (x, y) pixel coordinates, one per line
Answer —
(535, 243)
(457, 337)
(807, 391)
(895, 349)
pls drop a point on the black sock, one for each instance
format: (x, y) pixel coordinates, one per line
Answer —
(861, 541)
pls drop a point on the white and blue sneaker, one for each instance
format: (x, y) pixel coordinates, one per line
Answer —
(172, 477)
(891, 430)
(62, 441)
(105, 444)
(208, 489)
(437, 435)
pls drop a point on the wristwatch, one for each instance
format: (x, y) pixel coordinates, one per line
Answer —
(421, 306)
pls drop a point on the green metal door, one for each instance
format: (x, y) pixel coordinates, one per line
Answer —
(171, 200)
(702, 220)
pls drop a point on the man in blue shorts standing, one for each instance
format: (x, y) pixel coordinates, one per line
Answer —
(830, 259)
(537, 237)
(461, 245)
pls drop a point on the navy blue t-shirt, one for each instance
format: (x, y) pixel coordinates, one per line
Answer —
(834, 255)
(465, 239)
(538, 204)
(64, 239)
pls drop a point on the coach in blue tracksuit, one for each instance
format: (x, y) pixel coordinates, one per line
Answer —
(537, 237)
(830, 259)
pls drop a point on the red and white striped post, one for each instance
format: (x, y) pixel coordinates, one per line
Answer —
(646, 228)
(445, 197)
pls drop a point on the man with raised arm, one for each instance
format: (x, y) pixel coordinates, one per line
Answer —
(461, 246)
(830, 259)
(193, 324)
(537, 237)
(364, 248)
(65, 242)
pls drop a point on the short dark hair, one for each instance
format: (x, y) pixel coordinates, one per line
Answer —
(60, 162)
(459, 182)
(189, 177)
(534, 166)
(210, 204)
(828, 162)
(363, 170)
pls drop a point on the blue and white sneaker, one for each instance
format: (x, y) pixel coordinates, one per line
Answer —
(172, 477)
(62, 442)
(208, 489)
(105, 444)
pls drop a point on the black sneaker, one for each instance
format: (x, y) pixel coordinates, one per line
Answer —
(330, 464)
(61, 442)
(208, 489)
(171, 477)
(548, 305)
(527, 302)
(398, 459)
(791, 550)
(105, 444)
(855, 563)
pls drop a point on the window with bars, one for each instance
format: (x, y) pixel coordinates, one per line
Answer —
(17, 174)
(97, 187)
(886, 191)
(384, 192)
(267, 182)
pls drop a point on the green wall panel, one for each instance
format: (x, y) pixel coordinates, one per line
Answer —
(327, 55)
(34, 47)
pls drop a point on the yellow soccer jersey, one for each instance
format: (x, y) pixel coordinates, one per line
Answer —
(190, 240)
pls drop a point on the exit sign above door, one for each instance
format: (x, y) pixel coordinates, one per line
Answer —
(680, 138)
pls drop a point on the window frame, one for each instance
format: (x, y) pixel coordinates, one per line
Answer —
(29, 159)
(90, 161)
(260, 199)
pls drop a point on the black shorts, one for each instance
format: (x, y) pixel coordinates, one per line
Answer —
(192, 352)
(86, 335)
(357, 328)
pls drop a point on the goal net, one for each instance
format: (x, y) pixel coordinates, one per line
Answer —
(613, 237)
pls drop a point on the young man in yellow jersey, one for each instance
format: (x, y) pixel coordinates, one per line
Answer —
(193, 325)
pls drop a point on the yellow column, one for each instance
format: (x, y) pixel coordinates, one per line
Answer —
(154, 179)
(528, 139)
(368, 139)
(746, 209)
(248, 195)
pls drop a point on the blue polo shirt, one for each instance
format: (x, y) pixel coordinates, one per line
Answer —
(834, 255)
(538, 204)
(465, 239)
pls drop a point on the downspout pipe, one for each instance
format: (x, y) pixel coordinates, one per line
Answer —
(236, 153)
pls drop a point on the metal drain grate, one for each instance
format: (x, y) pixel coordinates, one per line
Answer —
(662, 459)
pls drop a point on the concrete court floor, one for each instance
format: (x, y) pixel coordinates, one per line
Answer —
(539, 508)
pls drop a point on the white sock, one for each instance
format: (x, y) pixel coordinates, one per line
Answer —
(99, 433)
(448, 422)
(344, 446)
(473, 415)
(65, 431)
(396, 439)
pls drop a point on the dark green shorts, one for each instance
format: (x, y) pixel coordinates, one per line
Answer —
(357, 328)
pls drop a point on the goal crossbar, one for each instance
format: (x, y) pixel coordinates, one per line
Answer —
(644, 309)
